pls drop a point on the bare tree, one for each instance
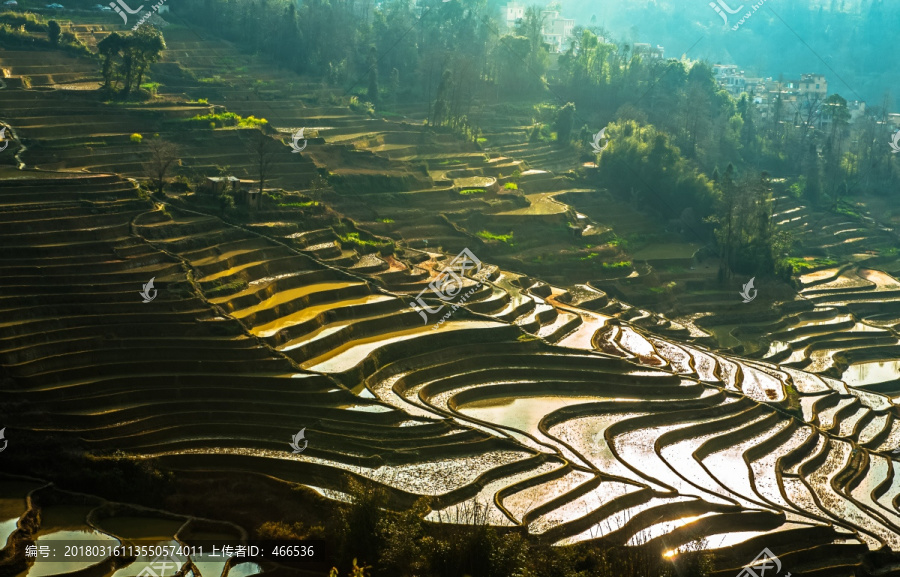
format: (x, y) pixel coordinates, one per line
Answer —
(162, 155)
(263, 148)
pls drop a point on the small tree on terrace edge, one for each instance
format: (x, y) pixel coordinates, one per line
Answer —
(109, 49)
(565, 121)
(162, 154)
(127, 58)
(263, 147)
(53, 32)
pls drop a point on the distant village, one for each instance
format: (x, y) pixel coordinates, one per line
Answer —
(796, 96)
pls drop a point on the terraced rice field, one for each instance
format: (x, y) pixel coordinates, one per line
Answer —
(844, 320)
(562, 411)
(627, 437)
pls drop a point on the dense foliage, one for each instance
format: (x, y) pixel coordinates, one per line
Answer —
(374, 541)
(126, 59)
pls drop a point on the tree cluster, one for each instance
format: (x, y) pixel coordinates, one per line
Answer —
(127, 58)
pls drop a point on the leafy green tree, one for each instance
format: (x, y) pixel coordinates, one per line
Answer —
(144, 47)
(531, 26)
(127, 58)
(643, 159)
(565, 122)
(813, 191)
(749, 134)
(441, 109)
(395, 84)
(110, 53)
(53, 32)
(372, 93)
(748, 240)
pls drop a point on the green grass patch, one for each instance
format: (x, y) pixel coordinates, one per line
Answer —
(223, 119)
(252, 121)
(226, 289)
(504, 238)
(386, 220)
(298, 204)
(799, 265)
(472, 191)
(619, 242)
(847, 209)
(511, 186)
(31, 22)
(625, 264)
(353, 238)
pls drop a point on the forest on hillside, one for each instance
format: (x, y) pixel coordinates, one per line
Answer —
(679, 144)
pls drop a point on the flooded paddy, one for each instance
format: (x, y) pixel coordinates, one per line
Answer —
(311, 312)
(351, 354)
(582, 505)
(872, 372)
(522, 413)
(285, 296)
(12, 505)
(57, 566)
(129, 527)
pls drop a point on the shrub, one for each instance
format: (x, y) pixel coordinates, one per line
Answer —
(280, 531)
(252, 122)
(53, 32)
(137, 138)
(217, 120)
(229, 288)
(617, 265)
(357, 106)
(31, 22)
(358, 523)
(298, 204)
(353, 239)
(487, 235)
(511, 186)
(151, 87)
